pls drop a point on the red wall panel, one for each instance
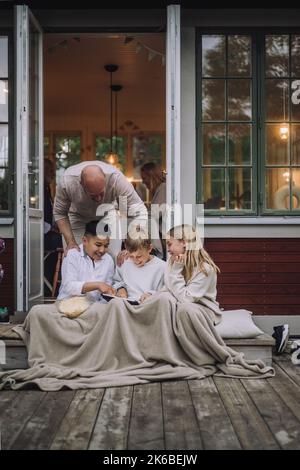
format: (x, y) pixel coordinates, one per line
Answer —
(261, 275)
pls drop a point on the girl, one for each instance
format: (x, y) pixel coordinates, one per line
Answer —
(191, 275)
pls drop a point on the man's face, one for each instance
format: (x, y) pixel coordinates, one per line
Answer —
(95, 247)
(141, 256)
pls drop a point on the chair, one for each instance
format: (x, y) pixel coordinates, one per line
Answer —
(52, 287)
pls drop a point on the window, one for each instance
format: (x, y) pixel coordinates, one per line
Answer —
(65, 148)
(282, 122)
(248, 119)
(5, 171)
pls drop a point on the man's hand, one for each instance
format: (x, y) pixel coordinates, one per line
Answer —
(121, 257)
(122, 292)
(106, 289)
(70, 245)
(145, 296)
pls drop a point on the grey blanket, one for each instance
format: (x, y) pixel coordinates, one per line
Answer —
(118, 344)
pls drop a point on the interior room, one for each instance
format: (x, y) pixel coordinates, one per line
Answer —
(85, 120)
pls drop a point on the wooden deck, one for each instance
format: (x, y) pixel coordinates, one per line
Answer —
(213, 413)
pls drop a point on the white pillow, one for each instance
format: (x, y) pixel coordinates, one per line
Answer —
(237, 324)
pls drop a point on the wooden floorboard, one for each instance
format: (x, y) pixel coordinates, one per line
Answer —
(250, 428)
(77, 426)
(112, 423)
(215, 426)
(146, 424)
(39, 431)
(180, 421)
(212, 413)
(281, 421)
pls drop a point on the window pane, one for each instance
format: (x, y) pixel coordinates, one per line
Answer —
(68, 152)
(119, 146)
(239, 188)
(239, 144)
(239, 56)
(146, 148)
(277, 108)
(295, 101)
(34, 169)
(213, 56)
(296, 188)
(4, 189)
(3, 101)
(276, 147)
(213, 100)
(214, 188)
(277, 56)
(239, 100)
(295, 146)
(214, 144)
(3, 57)
(3, 145)
(295, 72)
(278, 188)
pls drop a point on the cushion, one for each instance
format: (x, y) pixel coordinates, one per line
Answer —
(74, 306)
(237, 324)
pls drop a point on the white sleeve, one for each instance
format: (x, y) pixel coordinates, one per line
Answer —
(69, 274)
(110, 272)
(192, 292)
(118, 280)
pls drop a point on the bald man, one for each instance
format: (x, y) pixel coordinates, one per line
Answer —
(83, 189)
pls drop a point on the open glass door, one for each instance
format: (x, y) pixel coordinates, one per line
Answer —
(173, 128)
(29, 159)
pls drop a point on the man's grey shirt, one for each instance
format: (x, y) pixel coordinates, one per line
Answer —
(72, 201)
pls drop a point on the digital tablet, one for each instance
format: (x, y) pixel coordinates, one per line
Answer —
(108, 297)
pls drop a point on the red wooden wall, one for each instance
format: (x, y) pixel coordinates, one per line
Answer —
(7, 285)
(261, 274)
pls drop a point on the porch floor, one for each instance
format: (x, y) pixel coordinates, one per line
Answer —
(213, 413)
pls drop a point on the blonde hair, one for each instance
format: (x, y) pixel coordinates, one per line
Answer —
(141, 241)
(195, 255)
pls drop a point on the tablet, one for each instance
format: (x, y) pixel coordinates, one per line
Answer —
(108, 297)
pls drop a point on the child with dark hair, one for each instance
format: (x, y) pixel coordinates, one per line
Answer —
(141, 274)
(90, 270)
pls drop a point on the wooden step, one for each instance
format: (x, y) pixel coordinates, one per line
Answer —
(16, 353)
(260, 347)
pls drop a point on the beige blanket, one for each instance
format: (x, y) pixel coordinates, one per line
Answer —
(118, 344)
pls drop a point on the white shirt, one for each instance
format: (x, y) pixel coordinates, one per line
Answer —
(78, 268)
(139, 280)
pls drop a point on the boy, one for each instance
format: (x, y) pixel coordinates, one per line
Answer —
(141, 274)
(90, 270)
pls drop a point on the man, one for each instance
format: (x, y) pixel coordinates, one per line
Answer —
(83, 189)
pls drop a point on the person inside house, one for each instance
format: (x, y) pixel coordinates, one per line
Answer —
(141, 274)
(155, 180)
(52, 237)
(93, 190)
(90, 269)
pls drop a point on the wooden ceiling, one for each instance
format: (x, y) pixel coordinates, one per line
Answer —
(76, 83)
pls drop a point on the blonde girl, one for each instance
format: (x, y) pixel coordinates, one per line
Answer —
(191, 274)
